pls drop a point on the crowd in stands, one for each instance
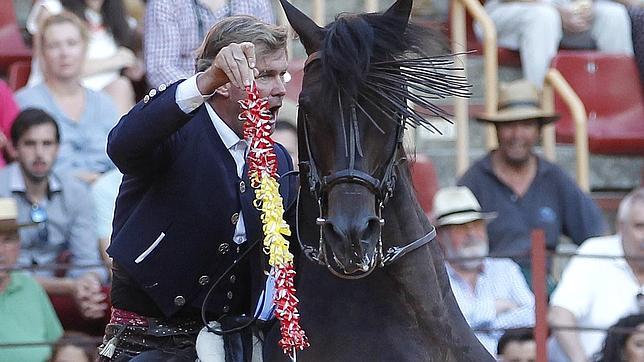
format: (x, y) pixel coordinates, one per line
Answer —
(537, 29)
(58, 187)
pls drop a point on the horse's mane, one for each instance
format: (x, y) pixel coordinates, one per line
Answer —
(370, 59)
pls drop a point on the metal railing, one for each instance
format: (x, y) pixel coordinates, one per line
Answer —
(556, 83)
(459, 9)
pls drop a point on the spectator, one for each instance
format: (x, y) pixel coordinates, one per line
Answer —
(109, 49)
(75, 347)
(175, 28)
(596, 292)
(491, 293)
(63, 208)
(85, 117)
(636, 12)
(517, 345)
(104, 192)
(536, 28)
(286, 134)
(26, 315)
(527, 191)
(8, 112)
(625, 341)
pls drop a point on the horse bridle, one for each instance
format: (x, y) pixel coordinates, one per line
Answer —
(382, 189)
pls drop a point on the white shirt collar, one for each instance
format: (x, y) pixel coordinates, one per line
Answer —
(17, 183)
(228, 136)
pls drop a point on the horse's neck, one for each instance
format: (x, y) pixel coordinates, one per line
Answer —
(422, 277)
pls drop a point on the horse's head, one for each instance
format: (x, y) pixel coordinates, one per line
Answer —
(352, 112)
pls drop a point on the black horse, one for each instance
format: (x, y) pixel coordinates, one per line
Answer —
(382, 292)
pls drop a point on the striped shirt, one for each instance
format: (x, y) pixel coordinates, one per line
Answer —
(174, 29)
(499, 279)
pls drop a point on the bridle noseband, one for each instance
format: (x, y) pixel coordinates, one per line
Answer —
(382, 189)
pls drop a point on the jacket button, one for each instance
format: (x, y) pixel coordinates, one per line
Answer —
(224, 248)
(232, 279)
(179, 301)
(242, 186)
(229, 295)
(204, 279)
(234, 218)
(146, 99)
(152, 93)
(162, 87)
(226, 309)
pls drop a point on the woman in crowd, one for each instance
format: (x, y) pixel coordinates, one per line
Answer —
(624, 341)
(85, 117)
(109, 53)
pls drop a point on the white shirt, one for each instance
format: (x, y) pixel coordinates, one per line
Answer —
(598, 292)
(498, 279)
(188, 99)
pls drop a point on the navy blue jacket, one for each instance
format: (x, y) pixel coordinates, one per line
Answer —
(174, 219)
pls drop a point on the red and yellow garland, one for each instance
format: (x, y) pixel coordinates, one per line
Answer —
(262, 172)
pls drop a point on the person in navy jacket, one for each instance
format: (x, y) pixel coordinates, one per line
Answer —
(184, 213)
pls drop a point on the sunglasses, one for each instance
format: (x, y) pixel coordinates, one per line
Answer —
(38, 216)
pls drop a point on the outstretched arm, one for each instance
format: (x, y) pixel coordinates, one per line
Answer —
(146, 138)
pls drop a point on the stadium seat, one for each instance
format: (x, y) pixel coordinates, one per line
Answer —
(12, 45)
(423, 175)
(18, 74)
(610, 90)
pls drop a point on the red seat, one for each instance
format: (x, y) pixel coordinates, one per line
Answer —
(610, 89)
(18, 74)
(423, 175)
(12, 46)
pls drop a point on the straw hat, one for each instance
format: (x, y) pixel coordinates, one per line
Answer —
(8, 215)
(518, 101)
(458, 205)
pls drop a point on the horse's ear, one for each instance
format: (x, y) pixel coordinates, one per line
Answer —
(401, 9)
(311, 35)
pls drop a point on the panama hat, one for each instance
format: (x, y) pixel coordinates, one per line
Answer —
(8, 215)
(458, 205)
(518, 101)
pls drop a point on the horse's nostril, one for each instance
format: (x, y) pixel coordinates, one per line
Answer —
(371, 230)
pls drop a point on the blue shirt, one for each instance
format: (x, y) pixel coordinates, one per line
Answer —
(498, 279)
(70, 224)
(82, 143)
(553, 202)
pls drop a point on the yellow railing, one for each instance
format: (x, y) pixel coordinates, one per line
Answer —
(556, 83)
(490, 74)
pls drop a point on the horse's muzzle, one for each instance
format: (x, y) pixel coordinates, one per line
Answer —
(352, 229)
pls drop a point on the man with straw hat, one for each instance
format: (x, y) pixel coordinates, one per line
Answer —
(527, 191)
(491, 293)
(26, 315)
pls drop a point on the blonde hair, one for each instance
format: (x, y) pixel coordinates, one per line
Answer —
(62, 18)
(239, 29)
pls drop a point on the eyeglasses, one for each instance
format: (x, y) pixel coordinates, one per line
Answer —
(38, 215)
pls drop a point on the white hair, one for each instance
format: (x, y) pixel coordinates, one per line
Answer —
(627, 203)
